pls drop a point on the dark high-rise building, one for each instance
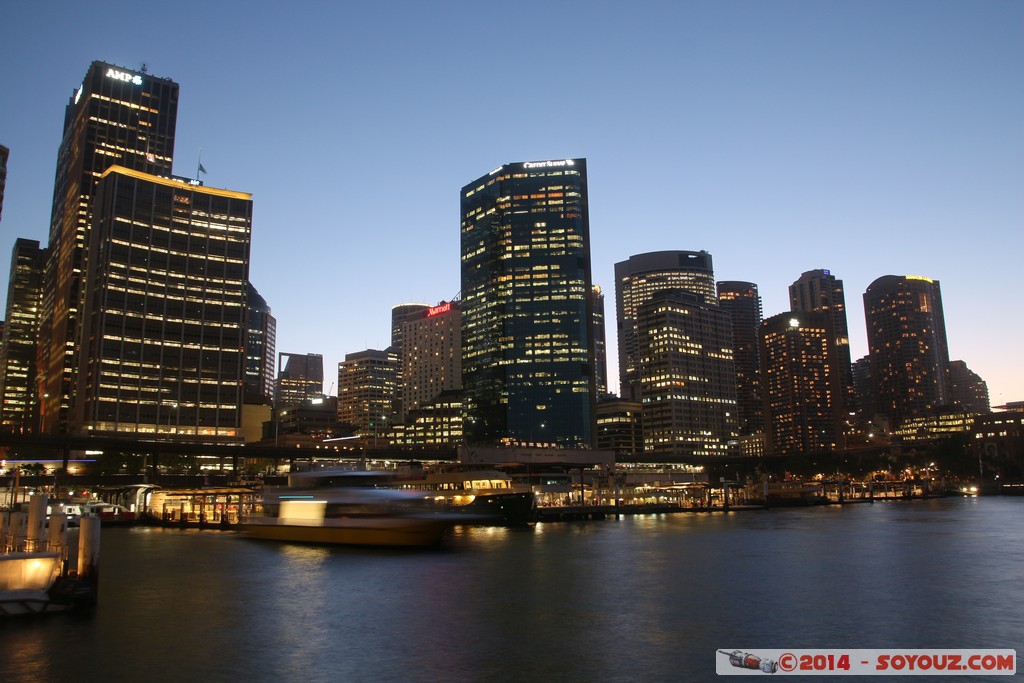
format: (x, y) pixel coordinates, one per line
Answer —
(636, 281)
(967, 388)
(300, 377)
(907, 344)
(864, 388)
(819, 290)
(117, 116)
(260, 348)
(4, 154)
(687, 376)
(19, 409)
(164, 322)
(803, 394)
(743, 304)
(527, 316)
(600, 347)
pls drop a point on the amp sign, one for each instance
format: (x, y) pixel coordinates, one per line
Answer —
(124, 76)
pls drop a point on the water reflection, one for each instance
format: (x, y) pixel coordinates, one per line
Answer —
(637, 597)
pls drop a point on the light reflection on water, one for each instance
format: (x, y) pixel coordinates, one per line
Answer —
(647, 597)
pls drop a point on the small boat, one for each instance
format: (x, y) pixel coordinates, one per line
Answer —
(347, 515)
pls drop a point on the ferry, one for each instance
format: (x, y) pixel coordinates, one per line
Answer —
(485, 496)
(346, 508)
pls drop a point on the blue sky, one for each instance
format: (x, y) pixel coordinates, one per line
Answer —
(869, 138)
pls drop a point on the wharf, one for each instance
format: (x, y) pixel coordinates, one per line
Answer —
(568, 513)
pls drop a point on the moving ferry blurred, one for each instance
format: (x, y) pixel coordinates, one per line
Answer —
(346, 507)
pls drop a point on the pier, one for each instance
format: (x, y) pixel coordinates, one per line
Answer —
(36, 576)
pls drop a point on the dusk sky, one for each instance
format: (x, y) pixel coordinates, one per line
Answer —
(868, 138)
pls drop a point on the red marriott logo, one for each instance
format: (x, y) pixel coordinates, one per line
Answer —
(438, 310)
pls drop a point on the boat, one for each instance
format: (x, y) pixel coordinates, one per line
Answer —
(348, 510)
(484, 496)
(109, 513)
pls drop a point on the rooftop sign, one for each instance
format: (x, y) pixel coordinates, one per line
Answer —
(549, 164)
(124, 76)
(438, 310)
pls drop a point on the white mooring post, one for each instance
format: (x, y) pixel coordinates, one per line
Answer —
(57, 535)
(89, 548)
(19, 525)
(5, 530)
(34, 534)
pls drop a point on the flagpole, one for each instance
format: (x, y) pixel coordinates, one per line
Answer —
(200, 165)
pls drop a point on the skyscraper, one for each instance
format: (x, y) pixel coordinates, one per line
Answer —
(164, 322)
(743, 304)
(907, 345)
(803, 394)
(636, 281)
(600, 346)
(117, 116)
(260, 348)
(687, 376)
(19, 409)
(300, 377)
(527, 318)
(864, 388)
(819, 290)
(4, 154)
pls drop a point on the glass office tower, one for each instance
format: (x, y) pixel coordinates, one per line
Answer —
(527, 318)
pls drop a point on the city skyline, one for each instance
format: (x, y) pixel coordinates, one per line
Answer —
(781, 139)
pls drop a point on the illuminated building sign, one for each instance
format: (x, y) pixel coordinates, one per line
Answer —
(123, 76)
(549, 164)
(920, 277)
(438, 310)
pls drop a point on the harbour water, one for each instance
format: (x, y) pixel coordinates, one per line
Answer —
(637, 598)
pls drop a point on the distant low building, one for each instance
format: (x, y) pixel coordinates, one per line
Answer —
(940, 423)
(619, 427)
(997, 441)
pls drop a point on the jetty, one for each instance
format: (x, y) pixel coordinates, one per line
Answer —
(36, 576)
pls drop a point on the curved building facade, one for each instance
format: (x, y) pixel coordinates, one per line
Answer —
(637, 280)
(907, 346)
